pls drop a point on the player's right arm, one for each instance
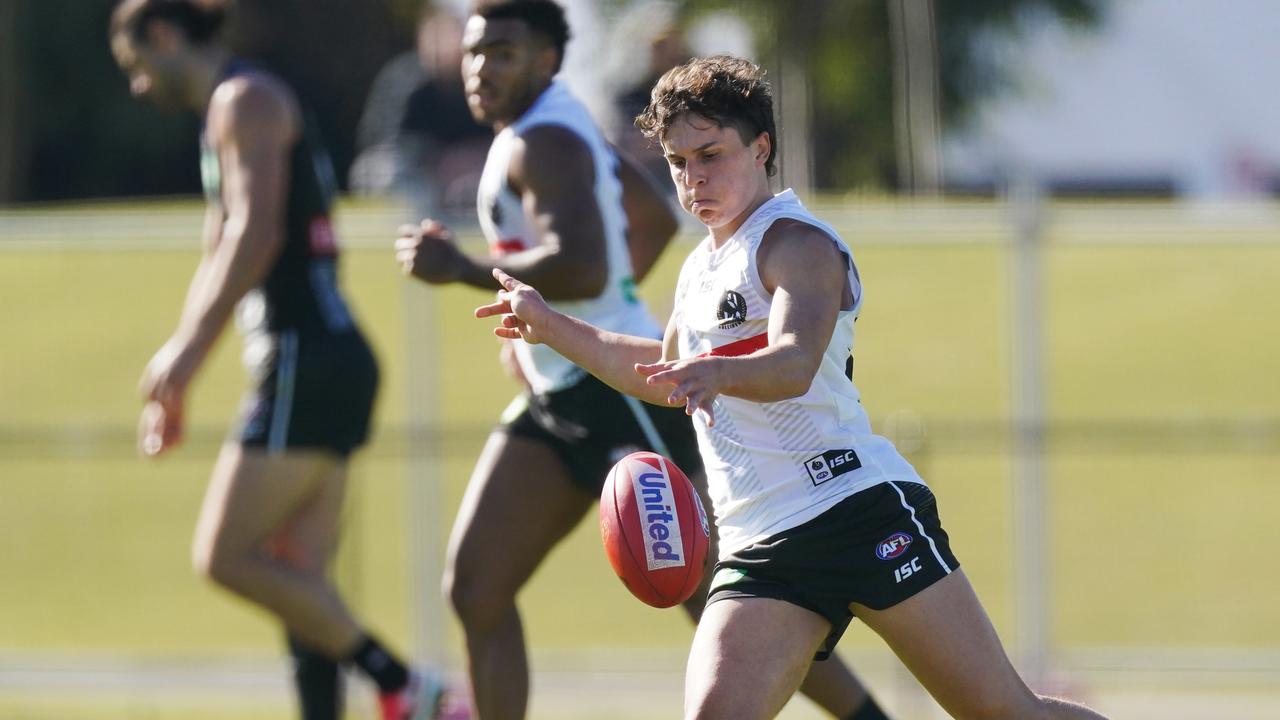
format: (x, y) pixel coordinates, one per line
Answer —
(610, 356)
(209, 236)
(252, 123)
(553, 171)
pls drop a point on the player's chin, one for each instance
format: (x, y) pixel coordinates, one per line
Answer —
(708, 216)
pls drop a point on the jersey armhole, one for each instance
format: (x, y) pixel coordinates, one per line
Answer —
(851, 272)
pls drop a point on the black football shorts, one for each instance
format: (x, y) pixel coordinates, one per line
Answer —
(591, 426)
(876, 548)
(315, 391)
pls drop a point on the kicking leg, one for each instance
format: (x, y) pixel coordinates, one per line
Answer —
(944, 637)
(519, 503)
(749, 656)
(830, 684)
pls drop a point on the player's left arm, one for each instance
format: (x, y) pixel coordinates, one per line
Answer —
(807, 276)
(253, 122)
(611, 357)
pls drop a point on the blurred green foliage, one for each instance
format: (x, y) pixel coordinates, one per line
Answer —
(77, 133)
(80, 134)
(848, 52)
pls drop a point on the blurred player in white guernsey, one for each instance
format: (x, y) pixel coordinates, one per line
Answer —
(819, 518)
(560, 207)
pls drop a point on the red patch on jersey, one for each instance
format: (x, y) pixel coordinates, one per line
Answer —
(506, 246)
(745, 346)
(320, 236)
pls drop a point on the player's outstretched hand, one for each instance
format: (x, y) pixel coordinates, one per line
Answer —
(521, 307)
(159, 429)
(429, 253)
(696, 382)
(164, 389)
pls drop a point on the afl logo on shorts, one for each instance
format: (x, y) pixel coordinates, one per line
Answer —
(732, 310)
(893, 546)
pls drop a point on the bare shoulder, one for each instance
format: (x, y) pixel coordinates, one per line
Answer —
(253, 106)
(551, 154)
(790, 241)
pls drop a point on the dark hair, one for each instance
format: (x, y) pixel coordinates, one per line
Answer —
(199, 20)
(544, 17)
(729, 91)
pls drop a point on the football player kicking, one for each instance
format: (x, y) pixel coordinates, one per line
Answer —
(819, 519)
(559, 207)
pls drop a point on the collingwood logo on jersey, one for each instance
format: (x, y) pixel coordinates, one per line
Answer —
(732, 310)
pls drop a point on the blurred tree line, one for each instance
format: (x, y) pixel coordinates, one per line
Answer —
(847, 48)
(68, 128)
(71, 129)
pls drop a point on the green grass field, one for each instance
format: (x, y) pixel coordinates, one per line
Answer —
(1159, 527)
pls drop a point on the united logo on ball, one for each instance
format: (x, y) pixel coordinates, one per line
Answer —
(654, 529)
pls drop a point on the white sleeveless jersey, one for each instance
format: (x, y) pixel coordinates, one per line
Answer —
(508, 229)
(772, 466)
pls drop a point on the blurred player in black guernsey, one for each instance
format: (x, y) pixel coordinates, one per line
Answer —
(561, 208)
(269, 524)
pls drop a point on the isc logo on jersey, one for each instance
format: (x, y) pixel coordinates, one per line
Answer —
(893, 546)
(656, 502)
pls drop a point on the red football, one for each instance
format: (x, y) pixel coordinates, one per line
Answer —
(654, 529)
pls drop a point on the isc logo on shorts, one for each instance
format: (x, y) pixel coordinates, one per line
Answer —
(893, 546)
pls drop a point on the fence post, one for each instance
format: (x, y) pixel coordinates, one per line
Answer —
(1028, 417)
(423, 476)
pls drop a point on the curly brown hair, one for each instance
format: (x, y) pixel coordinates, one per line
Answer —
(729, 91)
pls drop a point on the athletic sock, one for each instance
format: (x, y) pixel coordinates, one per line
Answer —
(869, 711)
(317, 681)
(380, 665)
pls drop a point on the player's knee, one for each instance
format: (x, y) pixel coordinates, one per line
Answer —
(995, 707)
(477, 604)
(715, 706)
(213, 565)
(205, 564)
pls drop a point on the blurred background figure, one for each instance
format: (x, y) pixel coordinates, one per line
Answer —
(648, 40)
(417, 138)
(269, 525)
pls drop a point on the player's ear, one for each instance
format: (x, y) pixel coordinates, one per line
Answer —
(546, 60)
(760, 148)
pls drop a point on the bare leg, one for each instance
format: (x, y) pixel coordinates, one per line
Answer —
(829, 683)
(832, 686)
(251, 498)
(749, 657)
(520, 502)
(944, 637)
(308, 542)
